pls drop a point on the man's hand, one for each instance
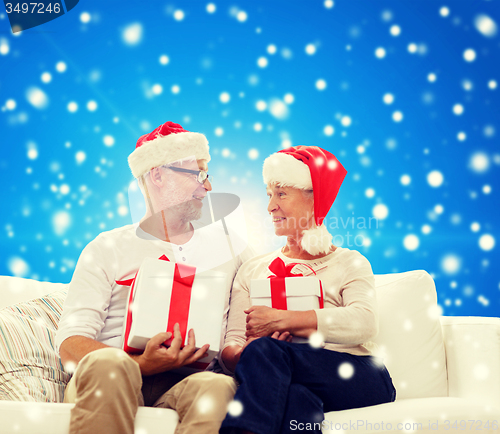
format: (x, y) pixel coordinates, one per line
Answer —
(231, 355)
(264, 321)
(285, 336)
(158, 358)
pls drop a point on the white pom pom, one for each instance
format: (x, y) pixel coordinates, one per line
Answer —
(316, 240)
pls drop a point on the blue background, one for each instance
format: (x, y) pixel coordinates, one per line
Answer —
(63, 164)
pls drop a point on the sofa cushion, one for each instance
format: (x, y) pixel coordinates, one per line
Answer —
(45, 418)
(416, 416)
(473, 357)
(30, 368)
(410, 338)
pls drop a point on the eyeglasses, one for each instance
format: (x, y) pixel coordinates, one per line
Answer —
(201, 175)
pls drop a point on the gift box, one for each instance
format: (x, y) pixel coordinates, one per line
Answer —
(287, 291)
(300, 293)
(164, 293)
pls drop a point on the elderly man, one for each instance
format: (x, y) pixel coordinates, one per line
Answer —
(108, 385)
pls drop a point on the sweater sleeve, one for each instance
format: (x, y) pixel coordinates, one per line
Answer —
(240, 301)
(86, 305)
(355, 320)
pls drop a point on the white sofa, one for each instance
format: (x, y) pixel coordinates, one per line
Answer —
(446, 370)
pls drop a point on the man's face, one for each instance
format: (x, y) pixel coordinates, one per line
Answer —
(183, 194)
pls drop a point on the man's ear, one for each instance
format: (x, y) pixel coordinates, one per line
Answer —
(156, 176)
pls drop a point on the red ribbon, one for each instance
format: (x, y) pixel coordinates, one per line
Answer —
(130, 282)
(278, 288)
(126, 348)
(321, 299)
(180, 299)
(179, 302)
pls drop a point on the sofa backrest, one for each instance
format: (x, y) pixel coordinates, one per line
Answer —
(410, 338)
(16, 290)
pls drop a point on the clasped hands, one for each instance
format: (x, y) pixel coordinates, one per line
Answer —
(158, 358)
(261, 321)
(266, 321)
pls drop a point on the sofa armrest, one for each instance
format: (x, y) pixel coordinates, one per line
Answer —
(473, 357)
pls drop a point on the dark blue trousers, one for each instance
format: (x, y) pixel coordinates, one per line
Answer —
(282, 384)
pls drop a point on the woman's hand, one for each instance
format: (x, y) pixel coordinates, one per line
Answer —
(264, 321)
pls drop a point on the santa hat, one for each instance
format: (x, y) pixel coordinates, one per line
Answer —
(309, 168)
(166, 144)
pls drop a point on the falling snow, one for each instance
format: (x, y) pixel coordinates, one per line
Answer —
(235, 408)
(278, 109)
(320, 84)
(388, 98)
(411, 242)
(37, 97)
(72, 107)
(435, 178)
(451, 264)
(179, 15)
(419, 148)
(380, 211)
(328, 130)
(485, 25)
(316, 340)
(262, 62)
(479, 162)
(132, 34)
(91, 106)
(85, 17)
(346, 370)
(486, 242)
(469, 55)
(61, 67)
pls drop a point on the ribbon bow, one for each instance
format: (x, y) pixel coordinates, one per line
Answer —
(129, 282)
(279, 269)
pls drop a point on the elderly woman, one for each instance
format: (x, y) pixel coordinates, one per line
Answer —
(285, 385)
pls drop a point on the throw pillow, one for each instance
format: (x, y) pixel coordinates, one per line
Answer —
(30, 368)
(410, 337)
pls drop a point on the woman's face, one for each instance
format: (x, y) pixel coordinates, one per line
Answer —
(291, 210)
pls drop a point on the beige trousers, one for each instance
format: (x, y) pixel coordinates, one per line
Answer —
(107, 388)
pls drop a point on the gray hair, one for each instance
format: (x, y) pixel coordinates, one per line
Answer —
(308, 194)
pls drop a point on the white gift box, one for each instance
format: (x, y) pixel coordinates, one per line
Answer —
(302, 293)
(149, 305)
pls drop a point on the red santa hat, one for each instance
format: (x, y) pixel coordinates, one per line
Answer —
(309, 168)
(166, 144)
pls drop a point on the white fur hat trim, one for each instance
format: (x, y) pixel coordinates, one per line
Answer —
(167, 149)
(287, 171)
(316, 240)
